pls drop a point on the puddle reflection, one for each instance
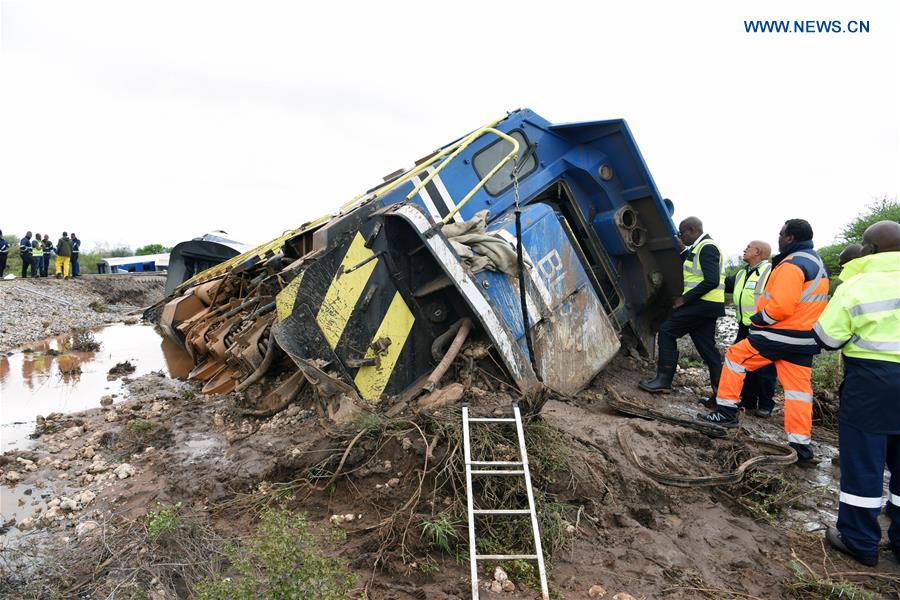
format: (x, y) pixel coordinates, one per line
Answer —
(49, 377)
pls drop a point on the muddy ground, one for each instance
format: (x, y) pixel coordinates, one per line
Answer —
(34, 309)
(86, 492)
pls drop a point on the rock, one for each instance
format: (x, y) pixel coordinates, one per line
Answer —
(111, 416)
(570, 529)
(98, 466)
(500, 575)
(86, 528)
(623, 596)
(88, 452)
(349, 517)
(124, 471)
(12, 476)
(25, 524)
(52, 514)
(596, 591)
(86, 497)
(337, 519)
(293, 410)
(406, 443)
(496, 586)
(106, 400)
(68, 505)
(218, 420)
(54, 502)
(509, 586)
(73, 432)
(393, 482)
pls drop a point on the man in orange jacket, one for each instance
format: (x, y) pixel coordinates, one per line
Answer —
(781, 333)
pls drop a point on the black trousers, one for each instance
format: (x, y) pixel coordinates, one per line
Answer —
(759, 385)
(45, 265)
(699, 322)
(3, 256)
(27, 262)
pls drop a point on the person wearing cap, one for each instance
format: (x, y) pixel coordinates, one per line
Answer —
(46, 250)
(63, 256)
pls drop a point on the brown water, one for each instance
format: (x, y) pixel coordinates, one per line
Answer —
(41, 382)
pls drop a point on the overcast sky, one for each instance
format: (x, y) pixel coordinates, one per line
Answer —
(157, 121)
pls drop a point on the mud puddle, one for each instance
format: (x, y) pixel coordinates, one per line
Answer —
(45, 377)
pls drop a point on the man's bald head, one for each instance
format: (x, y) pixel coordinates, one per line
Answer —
(690, 230)
(849, 253)
(756, 252)
(883, 236)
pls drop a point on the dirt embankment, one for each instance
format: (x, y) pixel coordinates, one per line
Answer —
(34, 309)
(97, 484)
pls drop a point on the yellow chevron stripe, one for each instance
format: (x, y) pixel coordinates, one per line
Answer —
(345, 290)
(284, 301)
(396, 325)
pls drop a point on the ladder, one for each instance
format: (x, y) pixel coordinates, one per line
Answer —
(507, 469)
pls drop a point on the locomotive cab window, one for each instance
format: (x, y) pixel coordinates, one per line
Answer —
(487, 159)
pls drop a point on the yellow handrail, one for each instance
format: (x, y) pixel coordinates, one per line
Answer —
(456, 147)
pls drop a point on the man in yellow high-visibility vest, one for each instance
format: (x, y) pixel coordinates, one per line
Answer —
(863, 320)
(745, 288)
(695, 311)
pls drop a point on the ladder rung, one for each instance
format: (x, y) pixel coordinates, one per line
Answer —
(496, 463)
(498, 472)
(506, 557)
(502, 511)
(491, 420)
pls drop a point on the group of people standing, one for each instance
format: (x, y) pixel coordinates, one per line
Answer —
(785, 318)
(37, 253)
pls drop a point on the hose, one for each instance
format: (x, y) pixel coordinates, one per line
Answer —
(463, 327)
(263, 366)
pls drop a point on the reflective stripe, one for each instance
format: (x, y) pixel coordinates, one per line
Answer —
(820, 274)
(726, 402)
(794, 395)
(816, 298)
(784, 339)
(694, 271)
(831, 342)
(763, 279)
(766, 295)
(861, 501)
(870, 307)
(895, 499)
(692, 284)
(799, 438)
(735, 367)
(885, 346)
(765, 317)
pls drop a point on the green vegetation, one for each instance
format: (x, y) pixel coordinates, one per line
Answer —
(87, 261)
(882, 209)
(152, 249)
(441, 533)
(165, 521)
(283, 560)
(826, 372)
(139, 426)
(806, 583)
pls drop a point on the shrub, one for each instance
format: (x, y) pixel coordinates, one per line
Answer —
(163, 522)
(283, 560)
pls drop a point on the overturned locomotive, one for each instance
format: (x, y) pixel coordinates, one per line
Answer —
(537, 248)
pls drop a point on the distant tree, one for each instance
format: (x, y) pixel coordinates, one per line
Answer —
(152, 249)
(883, 209)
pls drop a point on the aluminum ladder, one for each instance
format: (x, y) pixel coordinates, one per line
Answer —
(506, 469)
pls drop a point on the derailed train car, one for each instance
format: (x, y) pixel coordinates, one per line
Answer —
(375, 301)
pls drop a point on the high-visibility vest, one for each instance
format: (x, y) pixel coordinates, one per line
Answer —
(748, 289)
(693, 274)
(863, 317)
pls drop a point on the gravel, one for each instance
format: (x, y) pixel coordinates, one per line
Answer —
(35, 309)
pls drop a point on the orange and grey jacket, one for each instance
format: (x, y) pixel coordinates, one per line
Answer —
(794, 297)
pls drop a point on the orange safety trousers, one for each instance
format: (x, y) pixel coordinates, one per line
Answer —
(795, 379)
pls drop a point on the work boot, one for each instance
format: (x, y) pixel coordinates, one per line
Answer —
(804, 451)
(723, 417)
(662, 383)
(763, 413)
(836, 541)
